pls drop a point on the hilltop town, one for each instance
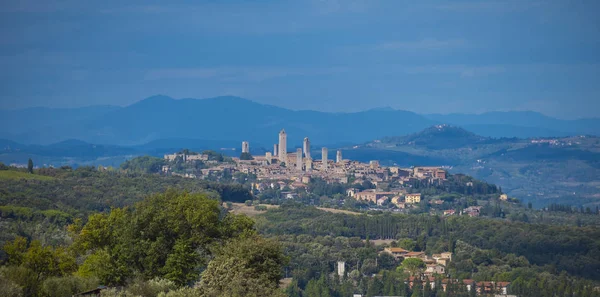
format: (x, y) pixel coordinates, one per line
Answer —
(289, 172)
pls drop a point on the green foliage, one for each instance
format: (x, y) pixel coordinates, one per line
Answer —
(87, 190)
(182, 292)
(161, 237)
(407, 244)
(248, 266)
(151, 288)
(260, 207)
(30, 166)
(412, 266)
(567, 248)
(320, 187)
(8, 287)
(144, 164)
(214, 156)
(246, 156)
(66, 286)
(317, 288)
(12, 175)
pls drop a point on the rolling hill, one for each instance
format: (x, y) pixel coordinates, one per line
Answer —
(539, 170)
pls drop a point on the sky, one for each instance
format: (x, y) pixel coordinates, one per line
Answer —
(328, 55)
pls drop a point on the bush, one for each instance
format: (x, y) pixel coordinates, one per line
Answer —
(67, 286)
(151, 288)
(183, 292)
(9, 288)
(248, 202)
(260, 208)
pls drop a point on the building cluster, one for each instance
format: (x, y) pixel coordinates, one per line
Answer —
(186, 157)
(435, 264)
(281, 168)
(487, 288)
(399, 197)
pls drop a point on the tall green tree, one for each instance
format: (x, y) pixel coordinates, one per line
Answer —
(30, 166)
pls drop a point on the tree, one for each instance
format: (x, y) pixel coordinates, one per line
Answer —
(293, 290)
(368, 267)
(412, 266)
(30, 166)
(248, 266)
(167, 235)
(246, 156)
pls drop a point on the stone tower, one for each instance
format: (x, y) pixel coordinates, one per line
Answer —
(282, 146)
(275, 150)
(299, 159)
(245, 147)
(308, 165)
(306, 147)
(324, 153)
(338, 157)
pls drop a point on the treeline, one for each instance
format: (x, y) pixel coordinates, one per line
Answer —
(571, 209)
(171, 240)
(573, 249)
(30, 214)
(459, 184)
(87, 189)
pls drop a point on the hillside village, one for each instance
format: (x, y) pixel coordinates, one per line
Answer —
(291, 174)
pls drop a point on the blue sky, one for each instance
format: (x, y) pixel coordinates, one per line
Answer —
(328, 55)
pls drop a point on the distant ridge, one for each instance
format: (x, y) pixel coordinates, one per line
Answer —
(230, 118)
(441, 136)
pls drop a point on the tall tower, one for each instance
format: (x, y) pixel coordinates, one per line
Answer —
(308, 165)
(338, 157)
(324, 153)
(275, 150)
(245, 147)
(306, 147)
(299, 159)
(282, 146)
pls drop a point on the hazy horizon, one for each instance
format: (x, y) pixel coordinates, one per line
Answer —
(326, 55)
(256, 101)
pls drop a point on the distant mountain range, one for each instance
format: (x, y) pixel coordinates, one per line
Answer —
(230, 120)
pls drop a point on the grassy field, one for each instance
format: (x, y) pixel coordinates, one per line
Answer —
(241, 208)
(381, 241)
(11, 174)
(333, 210)
(251, 212)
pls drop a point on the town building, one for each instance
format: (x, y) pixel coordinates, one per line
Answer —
(299, 159)
(397, 252)
(324, 161)
(282, 154)
(412, 198)
(306, 147)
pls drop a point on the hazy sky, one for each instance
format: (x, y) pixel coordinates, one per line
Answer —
(329, 55)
